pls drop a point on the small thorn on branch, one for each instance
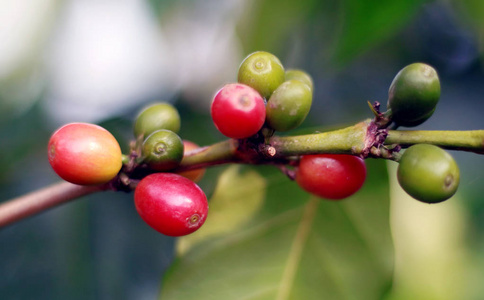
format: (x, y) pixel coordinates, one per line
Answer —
(382, 119)
(290, 173)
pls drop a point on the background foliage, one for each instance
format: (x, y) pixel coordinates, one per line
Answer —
(65, 61)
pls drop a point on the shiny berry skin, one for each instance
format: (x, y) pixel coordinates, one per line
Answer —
(162, 150)
(414, 94)
(196, 174)
(428, 173)
(331, 176)
(171, 204)
(294, 74)
(84, 154)
(238, 111)
(289, 105)
(157, 116)
(263, 71)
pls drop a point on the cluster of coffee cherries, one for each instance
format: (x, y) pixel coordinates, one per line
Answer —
(171, 203)
(268, 98)
(426, 172)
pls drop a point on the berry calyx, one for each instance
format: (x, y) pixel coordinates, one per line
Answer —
(238, 111)
(331, 176)
(289, 105)
(171, 204)
(428, 173)
(301, 76)
(196, 174)
(162, 150)
(84, 154)
(157, 116)
(262, 71)
(414, 94)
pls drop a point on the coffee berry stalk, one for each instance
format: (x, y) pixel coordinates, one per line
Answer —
(267, 99)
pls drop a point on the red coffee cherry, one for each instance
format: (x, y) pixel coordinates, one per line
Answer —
(84, 154)
(171, 204)
(238, 111)
(331, 176)
(196, 174)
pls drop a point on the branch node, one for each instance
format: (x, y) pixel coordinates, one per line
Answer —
(270, 151)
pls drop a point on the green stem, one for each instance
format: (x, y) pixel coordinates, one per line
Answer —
(216, 154)
(472, 140)
(363, 139)
(349, 140)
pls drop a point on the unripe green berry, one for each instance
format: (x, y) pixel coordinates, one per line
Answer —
(262, 71)
(289, 105)
(162, 150)
(414, 94)
(301, 76)
(428, 173)
(157, 116)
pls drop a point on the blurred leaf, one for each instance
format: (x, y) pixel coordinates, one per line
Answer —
(231, 205)
(366, 23)
(432, 260)
(348, 27)
(473, 12)
(267, 24)
(296, 247)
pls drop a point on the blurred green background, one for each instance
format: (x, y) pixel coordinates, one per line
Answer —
(101, 61)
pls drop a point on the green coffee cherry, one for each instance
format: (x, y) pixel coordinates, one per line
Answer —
(162, 150)
(428, 173)
(414, 94)
(262, 71)
(301, 76)
(289, 105)
(157, 116)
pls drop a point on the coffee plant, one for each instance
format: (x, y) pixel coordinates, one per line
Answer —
(162, 169)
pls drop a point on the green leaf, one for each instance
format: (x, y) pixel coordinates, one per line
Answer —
(267, 24)
(295, 246)
(366, 23)
(432, 260)
(340, 30)
(236, 198)
(472, 12)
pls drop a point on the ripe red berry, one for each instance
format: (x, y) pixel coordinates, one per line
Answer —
(84, 153)
(238, 111)
(331, 176)
(171, 204)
